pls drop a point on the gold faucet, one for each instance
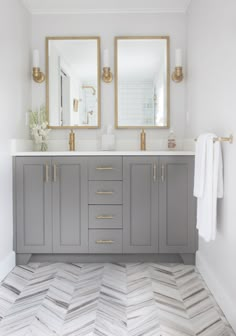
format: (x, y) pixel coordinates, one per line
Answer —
(143, 140)
(72, 140)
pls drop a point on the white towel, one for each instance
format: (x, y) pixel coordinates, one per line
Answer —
(208, 184)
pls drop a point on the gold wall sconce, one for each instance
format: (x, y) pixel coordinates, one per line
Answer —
(107, 76)
(38, 76)
(177, 75)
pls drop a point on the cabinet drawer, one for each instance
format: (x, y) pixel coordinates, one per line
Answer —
(105, 216)
(105, 241)
(105, 168)
(105, 192)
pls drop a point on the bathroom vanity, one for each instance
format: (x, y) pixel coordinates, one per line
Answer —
(114, 205)
(106, 204)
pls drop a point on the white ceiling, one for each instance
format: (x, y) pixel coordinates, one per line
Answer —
(105, 6)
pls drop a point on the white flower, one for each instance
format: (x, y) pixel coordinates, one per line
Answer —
(38, 125)
(44, 125)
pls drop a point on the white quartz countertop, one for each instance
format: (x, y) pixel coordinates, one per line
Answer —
(105, 153)
(91, 148)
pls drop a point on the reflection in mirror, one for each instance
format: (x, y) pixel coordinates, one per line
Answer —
(142, 82)
(73, 77)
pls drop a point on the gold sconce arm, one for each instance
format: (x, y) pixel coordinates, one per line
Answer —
(38, 76)
(107, 76)
(177, 75)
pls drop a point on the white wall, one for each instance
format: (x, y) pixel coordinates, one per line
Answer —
(15, 88)
(107, 26)
(211, 106)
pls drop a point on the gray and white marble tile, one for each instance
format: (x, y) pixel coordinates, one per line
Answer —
(133, 299)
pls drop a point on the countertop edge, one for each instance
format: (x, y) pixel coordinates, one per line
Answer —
(105, 153)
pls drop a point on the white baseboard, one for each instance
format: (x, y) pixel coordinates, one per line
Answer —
(7, 264)
(219, 292)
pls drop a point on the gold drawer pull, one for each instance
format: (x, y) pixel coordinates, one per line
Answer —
(163, 172)
(104, 168)
(104, 217)
(104, 241)
(104, 192)
(154, 172)
(54, 173)
(46, 172)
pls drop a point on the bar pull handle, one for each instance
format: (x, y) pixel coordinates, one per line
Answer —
(163, 173)
(104, 192)
(46, 172)
(154, 172)
(104, 241)
(104, 217)
(104, 168)
(54, 173)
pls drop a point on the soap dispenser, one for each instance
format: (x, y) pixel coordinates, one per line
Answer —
(171, 140)
(108, 139)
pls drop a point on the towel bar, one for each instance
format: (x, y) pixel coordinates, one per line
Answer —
(223, 139)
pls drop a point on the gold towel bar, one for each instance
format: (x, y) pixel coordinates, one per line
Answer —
(229, 139)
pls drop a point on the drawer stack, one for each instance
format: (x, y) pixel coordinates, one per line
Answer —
(105, 205)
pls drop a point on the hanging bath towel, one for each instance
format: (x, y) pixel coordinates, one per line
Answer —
(208, 184)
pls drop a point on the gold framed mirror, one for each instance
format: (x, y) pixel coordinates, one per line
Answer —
(142, 81)
(73, 93)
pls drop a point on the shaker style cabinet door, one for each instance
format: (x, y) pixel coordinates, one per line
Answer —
(177, 220)
(33, 205)
(140, 206)
(70, 205)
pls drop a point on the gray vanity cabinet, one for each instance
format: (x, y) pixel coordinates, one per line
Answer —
(140, 205)
(112, 205)
(70, 205)
(177, 220)
(33, 205)
(51, 205)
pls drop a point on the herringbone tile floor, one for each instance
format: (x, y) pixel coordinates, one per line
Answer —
(136, 299)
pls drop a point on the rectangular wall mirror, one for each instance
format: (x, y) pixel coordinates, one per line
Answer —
(142, 82)
(73, 82)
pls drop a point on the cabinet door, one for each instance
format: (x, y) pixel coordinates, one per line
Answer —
(70, 205)
(140, 206)
(33, 205)
(177, 226)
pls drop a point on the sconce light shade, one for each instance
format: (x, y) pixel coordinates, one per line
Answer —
(107, 76)
(35, 58)
(38, 76)
(106, 58)
(178, 58)
(177, 75)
